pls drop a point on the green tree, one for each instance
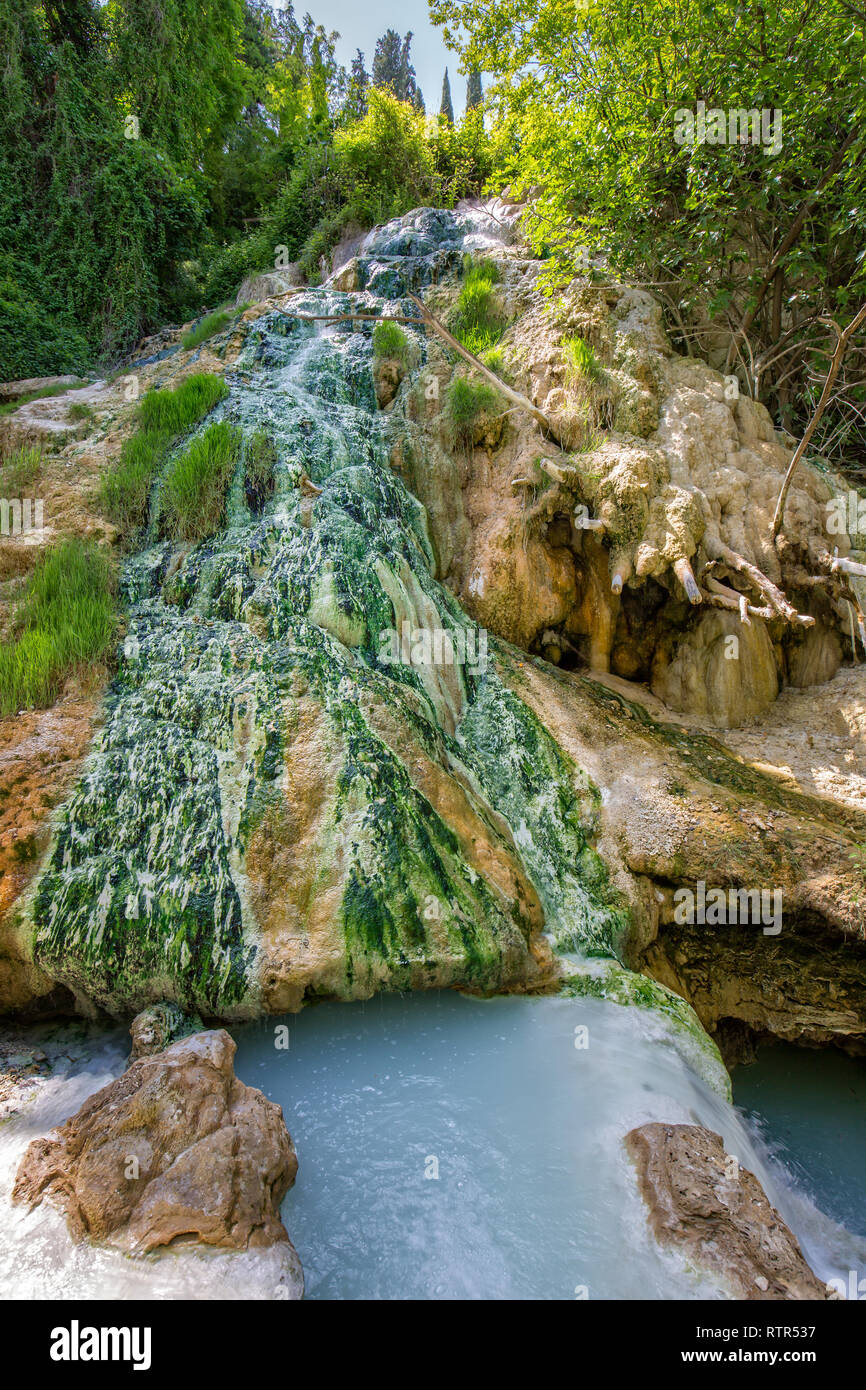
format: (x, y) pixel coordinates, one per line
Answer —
(356, 96)
(177, 68)
(393, 70)
(753, 241)
(446, 109)
(474, 94)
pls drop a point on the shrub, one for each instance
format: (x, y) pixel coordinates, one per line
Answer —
(66, 621)
(228, 265)
(389, 341)
(260, 460)
(193, 495)
(385, 163)
(209, 325)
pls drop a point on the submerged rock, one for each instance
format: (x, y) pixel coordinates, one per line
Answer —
(702, 1203)
(177, 1152)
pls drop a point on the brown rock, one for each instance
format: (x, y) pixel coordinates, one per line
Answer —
(155, 1028)
(388, 374)
(40, 755)
(704, 1204)
(176, 1149)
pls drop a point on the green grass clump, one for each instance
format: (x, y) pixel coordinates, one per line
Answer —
(260, 460)
(19, 469)
(65, 621)
(163, 417)
(193, 495)
(178, 410)
(80, 410)
(465, 401)
(581, 362)
(125, 490)
(389, 341)
(493, 359)
(478, 320)
(210, 324)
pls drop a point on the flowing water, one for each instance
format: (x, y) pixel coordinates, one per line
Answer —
(449, 1147)
(804, 1110)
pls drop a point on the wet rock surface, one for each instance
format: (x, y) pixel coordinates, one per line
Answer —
(716, 1214)
(276, 808)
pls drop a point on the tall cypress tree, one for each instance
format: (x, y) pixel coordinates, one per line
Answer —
(474, 94)
(386, 61)
(446, 110)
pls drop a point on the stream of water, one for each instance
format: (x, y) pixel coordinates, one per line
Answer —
(805, 1111)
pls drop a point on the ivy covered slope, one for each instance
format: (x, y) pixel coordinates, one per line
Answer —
(274, 809)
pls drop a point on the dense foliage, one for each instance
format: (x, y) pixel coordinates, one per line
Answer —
(751, 242)
(154, 151)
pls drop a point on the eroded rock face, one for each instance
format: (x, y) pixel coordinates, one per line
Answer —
(269, 283)
(631, 547)
(678, 809)
(177, 1150)
(716, 1214)
(719, 670)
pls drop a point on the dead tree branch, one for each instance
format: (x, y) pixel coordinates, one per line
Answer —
(843, 337)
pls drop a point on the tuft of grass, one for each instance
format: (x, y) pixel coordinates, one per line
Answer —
(465, 401)
(178, 410)
(193, 497)
(125, 490)
(389, 341)
(493, 359)
(19, 469)
(581, 362)
(80, 410)
(209, 325)
(65, 621)
(260, 460)
(163, 417)
(478, 320)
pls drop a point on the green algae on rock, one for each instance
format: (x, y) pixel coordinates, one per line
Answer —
(607, 979)
(274, 810)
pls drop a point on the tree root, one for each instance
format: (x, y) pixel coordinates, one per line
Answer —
(772, 595)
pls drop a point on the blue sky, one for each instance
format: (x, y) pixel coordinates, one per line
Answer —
(361, 24)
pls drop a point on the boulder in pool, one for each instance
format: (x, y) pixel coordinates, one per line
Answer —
(176, 1152)
(716, 1213)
